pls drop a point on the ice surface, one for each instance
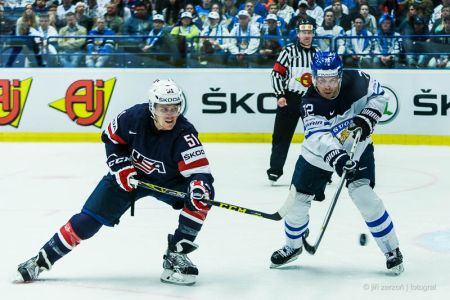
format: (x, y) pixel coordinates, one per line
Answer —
(43, 184)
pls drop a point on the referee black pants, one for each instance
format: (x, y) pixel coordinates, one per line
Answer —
(286, 120)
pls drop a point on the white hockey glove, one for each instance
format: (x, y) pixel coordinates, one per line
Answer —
(123, 171)
(124, 176)
(198, 191)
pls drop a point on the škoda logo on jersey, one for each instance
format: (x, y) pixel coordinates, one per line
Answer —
(86, 101)
(13, 95)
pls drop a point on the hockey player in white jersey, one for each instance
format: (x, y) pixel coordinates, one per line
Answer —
(339, 103)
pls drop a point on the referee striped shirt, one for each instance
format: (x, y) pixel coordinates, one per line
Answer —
(292, 70)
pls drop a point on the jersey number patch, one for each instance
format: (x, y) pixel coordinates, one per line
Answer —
(308, 109)
(192, 140)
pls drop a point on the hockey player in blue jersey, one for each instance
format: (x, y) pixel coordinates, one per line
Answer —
(339, 103)
(152, 142)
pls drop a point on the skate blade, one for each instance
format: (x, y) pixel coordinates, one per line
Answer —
(172, 277)
(17, 278)
(397, 270)
(275, 266)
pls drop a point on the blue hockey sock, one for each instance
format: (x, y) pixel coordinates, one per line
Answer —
(79, 227)
(189, 224)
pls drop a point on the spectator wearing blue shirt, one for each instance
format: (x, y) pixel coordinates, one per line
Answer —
(258, 8)
(203, 10)
(140, 22)
(388, 46)
(281, 24)
(254, 17)
(99, 48)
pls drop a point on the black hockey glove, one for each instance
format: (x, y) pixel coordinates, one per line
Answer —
(365, 121)
(198, 191)
(340, 161)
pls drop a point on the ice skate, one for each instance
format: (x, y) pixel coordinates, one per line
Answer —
(284, 255)
(394, 262)
(178, 268)
(30, 270)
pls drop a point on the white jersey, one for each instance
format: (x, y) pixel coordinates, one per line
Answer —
(241, 43)
(326, 121)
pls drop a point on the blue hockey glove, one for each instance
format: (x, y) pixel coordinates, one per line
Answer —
(340, 161)
(365, 121)
(198, 191)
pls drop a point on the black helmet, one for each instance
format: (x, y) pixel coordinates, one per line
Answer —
(306, 24)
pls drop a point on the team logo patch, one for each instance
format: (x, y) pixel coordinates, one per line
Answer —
(305, 79)
(147, 165)
(193, 154)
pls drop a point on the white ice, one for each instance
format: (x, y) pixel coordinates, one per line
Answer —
(43, 184)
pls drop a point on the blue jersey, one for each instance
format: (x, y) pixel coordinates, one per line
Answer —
(167, 158)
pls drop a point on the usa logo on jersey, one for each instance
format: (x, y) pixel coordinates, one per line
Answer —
(145, 164)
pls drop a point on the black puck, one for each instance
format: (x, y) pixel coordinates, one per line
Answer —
(363, 239)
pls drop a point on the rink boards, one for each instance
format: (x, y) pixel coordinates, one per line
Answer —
(226, 105)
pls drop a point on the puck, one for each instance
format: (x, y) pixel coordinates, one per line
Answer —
(363, 239)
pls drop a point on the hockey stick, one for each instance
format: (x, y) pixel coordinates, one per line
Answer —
(311, 249)
(275, 216)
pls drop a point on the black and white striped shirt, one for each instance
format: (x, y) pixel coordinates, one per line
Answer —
(292, 70)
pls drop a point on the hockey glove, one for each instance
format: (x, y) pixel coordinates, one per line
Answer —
(340, 161)
(365, 122)
(123, 171)
(198, 190)
(123, 177)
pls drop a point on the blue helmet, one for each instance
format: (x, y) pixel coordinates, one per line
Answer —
(326, 64)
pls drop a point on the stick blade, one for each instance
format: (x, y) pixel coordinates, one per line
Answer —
(310, 249)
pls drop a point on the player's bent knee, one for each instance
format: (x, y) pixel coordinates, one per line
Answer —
(358, 183)
(364, 197)
(84, 225)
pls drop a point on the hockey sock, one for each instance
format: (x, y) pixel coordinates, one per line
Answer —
(79, 227)
(375, 215)
(297, 219)
(189, 225)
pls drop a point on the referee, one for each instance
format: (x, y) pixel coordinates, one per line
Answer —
(291, 77)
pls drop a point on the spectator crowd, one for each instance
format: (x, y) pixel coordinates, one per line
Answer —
(161, 33)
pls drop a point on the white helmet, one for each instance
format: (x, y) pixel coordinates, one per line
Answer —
(165, 91)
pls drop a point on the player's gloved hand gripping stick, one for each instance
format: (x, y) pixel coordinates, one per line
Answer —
(311, 249)
(275, 216)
